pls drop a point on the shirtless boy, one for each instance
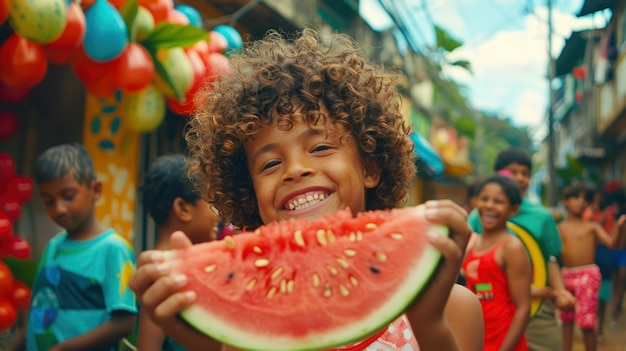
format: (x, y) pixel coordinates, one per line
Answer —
(580, 273)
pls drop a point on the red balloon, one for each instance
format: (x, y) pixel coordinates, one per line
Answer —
(20, 295)
(85, 4)
(90, 71)
(134, 69)
(118, 4)
(22, 62)
(20, 188)
(8, 314)
(7, 168)
(6, 225)
(217, 42)
(103, 87)
(4, 10)
(74, 31)
(17, 247)
(176, 17)
(10, 207)
(13, 94)
(61, 56)
(8, 124)
(217, 65)
(159, 9)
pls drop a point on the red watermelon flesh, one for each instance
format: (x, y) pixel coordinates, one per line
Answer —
(309, 285)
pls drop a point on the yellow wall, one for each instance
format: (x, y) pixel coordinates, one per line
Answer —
(115, 149)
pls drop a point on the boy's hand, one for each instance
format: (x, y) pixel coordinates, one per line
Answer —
(564, 300)
(428, 310)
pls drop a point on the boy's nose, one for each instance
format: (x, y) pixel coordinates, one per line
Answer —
(298, 169)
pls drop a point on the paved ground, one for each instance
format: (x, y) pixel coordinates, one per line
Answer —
(614, 338)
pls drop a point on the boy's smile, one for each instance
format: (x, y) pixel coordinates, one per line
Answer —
(494, 208)
(306, 171)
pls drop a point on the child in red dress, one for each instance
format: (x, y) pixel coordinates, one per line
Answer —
(497, 268)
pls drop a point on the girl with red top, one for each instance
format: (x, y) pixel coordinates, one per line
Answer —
(497, 268)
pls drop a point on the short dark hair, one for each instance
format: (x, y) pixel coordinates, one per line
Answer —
(166, 180)
(61, 160)
(509, 187)
(577, 188)
(510, 156)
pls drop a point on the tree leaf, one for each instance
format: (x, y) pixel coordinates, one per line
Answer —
(463, 63)
(129, 14)
(167, 35)
(445, 41)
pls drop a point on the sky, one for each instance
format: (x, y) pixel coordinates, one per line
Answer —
(506, 42)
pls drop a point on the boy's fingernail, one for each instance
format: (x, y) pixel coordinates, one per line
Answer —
(431, 213)
(180, 279)
(156, 256)
(162, 268)
(432, 236)
(190, 295)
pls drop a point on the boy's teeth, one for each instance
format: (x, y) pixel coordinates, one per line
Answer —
(305, 201)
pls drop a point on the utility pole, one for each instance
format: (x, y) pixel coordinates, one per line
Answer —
(551, 137)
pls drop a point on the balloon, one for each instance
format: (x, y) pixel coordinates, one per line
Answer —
(13, 93)
(8, 314)
(74, 31)
(6, 225)
(194, 17)
(22, 62)
(6, 279)
(8, 124)
(105, 86)
(10, 207)
(178, 67)
(15, 246)
(106, 36)
(186, 106)
(177, 17)
(41, 21)
(20, 295)
(217, 65)
(232, 36)
(90, 71)
(7, 167)
(85, 4)
(217, 42)
(4, 10)
(61, 56)
(143, 24)
(118, 4)
(20, 188)
(134, 70)
(143, 111)
(158, 8)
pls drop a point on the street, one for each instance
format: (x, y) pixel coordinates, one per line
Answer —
(614, 338)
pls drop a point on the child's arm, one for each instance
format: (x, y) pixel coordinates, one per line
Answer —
(103, 336)
(518, 276)
(149, 335)
(431, 326)
(605, 238)
(161, 297)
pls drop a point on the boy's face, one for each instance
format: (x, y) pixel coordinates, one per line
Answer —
(69, 203)
(306, 173)
(201, 226)
(576, 204)
(494, 207)
(521, 174)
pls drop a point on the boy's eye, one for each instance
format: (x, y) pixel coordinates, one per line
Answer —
(269, 165)
(319, 148)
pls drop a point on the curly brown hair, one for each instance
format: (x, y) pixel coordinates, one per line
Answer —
(277, 76)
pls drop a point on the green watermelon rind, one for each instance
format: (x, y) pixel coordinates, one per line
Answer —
(416, 282)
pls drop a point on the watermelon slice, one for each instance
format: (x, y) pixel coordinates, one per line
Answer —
(309, 285)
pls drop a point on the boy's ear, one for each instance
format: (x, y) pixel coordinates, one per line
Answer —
(181, 209)
(371, 174)
(514, 210)
(96, 187)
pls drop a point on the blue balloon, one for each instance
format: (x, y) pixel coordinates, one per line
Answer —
(106, 35)
(194, 17)
(233, 38)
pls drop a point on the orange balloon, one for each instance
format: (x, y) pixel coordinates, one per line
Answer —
(22, 62)
(134, 69)
(217, 42)
(85, 4)
(20, 296)
(118, 4)
(74, 31)
(61, 56)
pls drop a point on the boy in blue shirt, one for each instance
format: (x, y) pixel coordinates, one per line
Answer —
(81, 299)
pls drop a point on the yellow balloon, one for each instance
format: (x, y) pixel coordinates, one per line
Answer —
(143, 111)
(143, 24)
(178, 67)
(41, 21)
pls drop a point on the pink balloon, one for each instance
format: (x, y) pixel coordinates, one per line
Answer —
(8, 124)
